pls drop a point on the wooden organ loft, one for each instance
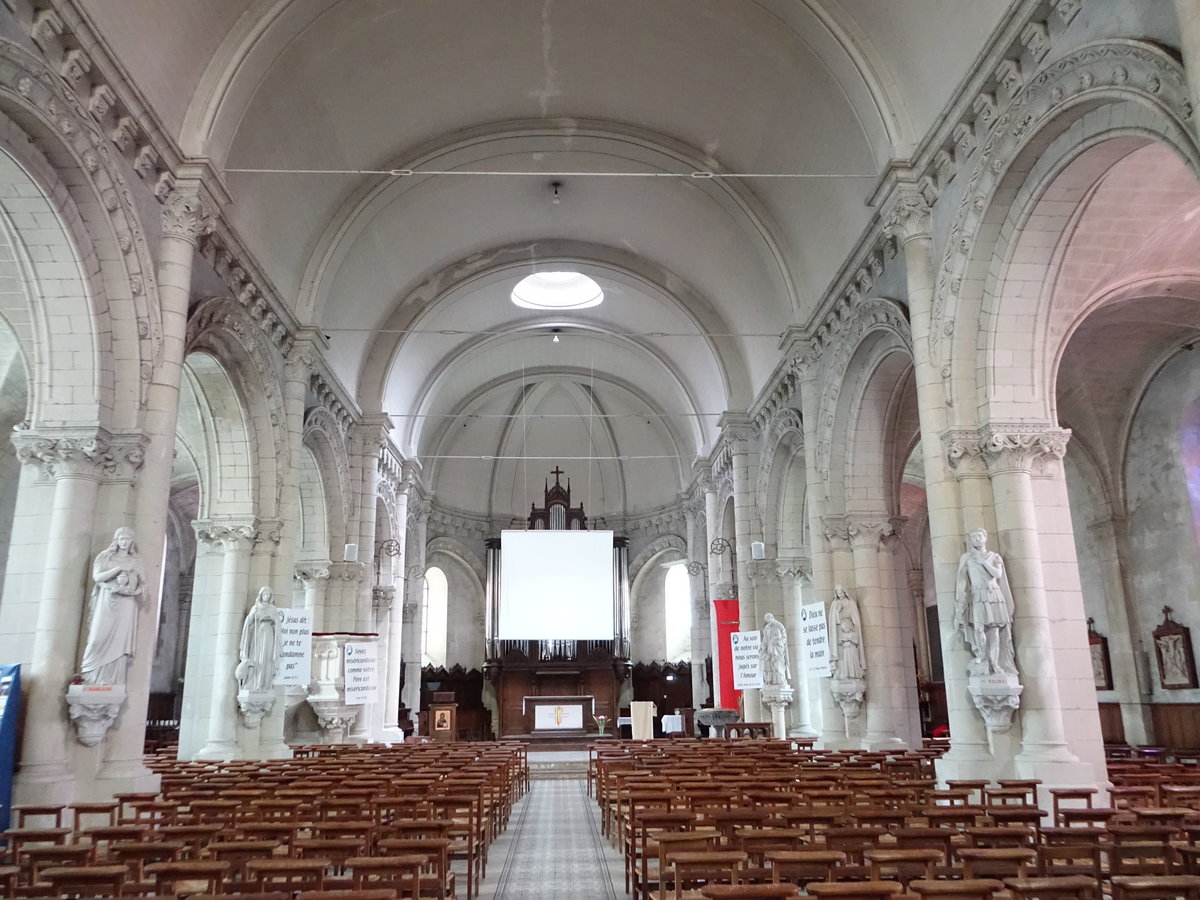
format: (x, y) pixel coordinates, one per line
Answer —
(521, 669)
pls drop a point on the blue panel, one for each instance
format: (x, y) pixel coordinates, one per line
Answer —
(10, 707)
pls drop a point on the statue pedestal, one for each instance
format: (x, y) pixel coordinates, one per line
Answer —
(997, 697)
(255, 705)
(776, 698)
(94, 708)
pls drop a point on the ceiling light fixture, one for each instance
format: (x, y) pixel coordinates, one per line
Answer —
(557, 290)
(554, 331)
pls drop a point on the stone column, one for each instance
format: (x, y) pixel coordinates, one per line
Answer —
(737, 433)
(701, 644)
(395, 644)
(419, 518)
(844, 725)
(712, 530)
(75, 462)
(1048, 668)
(1128, 655)
(793, 572)
(369, 438)
(235, 541)
(197, 193)
(907, 217)
(313, 579)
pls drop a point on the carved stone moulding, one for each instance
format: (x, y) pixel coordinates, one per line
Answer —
(996, 697)
(334, 718)
(93, 709)
(777, 695)
(849, 694)
(255, 705)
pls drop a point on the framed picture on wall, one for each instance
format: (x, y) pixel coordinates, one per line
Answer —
(1173, 649)
(1101, 665)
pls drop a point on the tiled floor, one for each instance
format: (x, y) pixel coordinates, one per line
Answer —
(553, 849)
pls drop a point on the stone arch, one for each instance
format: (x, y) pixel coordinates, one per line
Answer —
(646, 598)
(875, 323)
(465, 577)
(782, 484)
(100, 279)
(224, 329)
(324, 439)
(1112, 89)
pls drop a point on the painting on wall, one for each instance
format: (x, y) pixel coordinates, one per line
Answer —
(1101, 665)
(1173, 648)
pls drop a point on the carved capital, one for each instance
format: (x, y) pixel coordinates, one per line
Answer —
(382, 597)
(836, 529)
(226, 535)
(868, 532)
(762, 571)
(90, 454)
(184, 214)
(794, 569)
(1005, 447)
(909, 216)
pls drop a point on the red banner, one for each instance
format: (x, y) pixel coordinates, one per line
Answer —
(728, 622)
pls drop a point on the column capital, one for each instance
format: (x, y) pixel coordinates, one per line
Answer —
(310, 573)
(306, 350)
(347, 571)
(382, 597)
(81, 453)
(868, 531)
(794, 568)
(907, 214)
(762, 571)
(227, 534)
(836, 529)
(1004, 447)
(737, 431)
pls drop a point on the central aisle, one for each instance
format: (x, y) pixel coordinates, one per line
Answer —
(553, 849)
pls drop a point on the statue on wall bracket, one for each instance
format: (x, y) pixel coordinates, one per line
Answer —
(983, 613)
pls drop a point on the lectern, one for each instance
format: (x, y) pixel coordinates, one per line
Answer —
(443, 716)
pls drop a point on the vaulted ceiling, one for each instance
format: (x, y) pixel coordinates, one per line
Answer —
(410, 274)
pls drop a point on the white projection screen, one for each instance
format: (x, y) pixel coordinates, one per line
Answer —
(556, 585)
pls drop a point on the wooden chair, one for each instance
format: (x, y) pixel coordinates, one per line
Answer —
(400, 873)
(854, 890)
(1151, 887)
(1066, 887)
(85, 881)
(238, 853)
(169, 875)
(436, 851)
(962, 889)
(890, 864)
(749, 891)
(376, 894)
(702, 867)
(287, 874)
(802, 867)
(8, 879)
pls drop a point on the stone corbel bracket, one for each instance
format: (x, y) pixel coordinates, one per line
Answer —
(996, 697)
(255, 705)
(93, 709)
(849, 694)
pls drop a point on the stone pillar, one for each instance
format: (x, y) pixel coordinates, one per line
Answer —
(915, 579)
(197, 193)
(234, 541)
(792, 573)
(394, 667)
(1128, 655)
(413, 602)
(886, 700)
(313, 579)
(844, 723)
(712, 530)
(1049, 668)
(907, 217)
(75, 462)
(737, 433)
(369, 439)
(701, 644)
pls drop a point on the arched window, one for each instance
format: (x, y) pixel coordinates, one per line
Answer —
(678, 607)
(434, 617)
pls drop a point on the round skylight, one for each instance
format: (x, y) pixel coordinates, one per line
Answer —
(557, 290)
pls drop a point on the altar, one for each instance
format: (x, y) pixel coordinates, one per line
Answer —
(559, 716)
